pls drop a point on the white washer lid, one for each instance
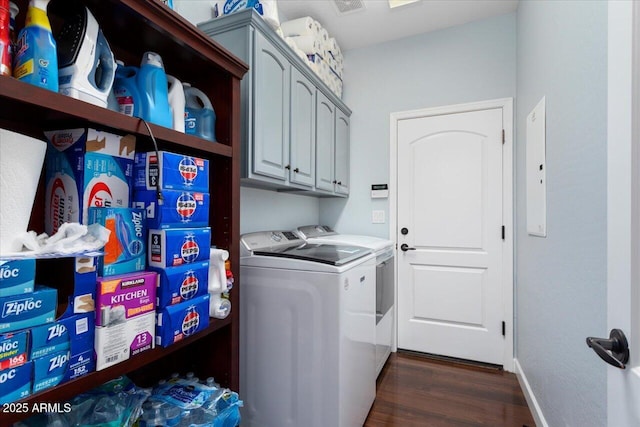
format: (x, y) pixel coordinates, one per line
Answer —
(374, 243)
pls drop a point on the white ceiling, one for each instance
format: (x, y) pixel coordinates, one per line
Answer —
(377, 23)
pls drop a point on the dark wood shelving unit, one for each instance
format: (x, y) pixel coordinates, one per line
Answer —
(133, 27)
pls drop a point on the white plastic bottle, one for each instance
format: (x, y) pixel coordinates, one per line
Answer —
(176, 102)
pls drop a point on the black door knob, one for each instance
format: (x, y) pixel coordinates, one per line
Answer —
(614, 351)
(404, 248)
(404, 231)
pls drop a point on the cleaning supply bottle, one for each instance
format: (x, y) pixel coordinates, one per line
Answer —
(5, 39)
(13, 11)
(176, 102)
(154, 91)
(199, 116)
(36, 57)
(125, 90)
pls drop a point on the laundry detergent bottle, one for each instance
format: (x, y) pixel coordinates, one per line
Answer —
(176, 102)
(199, 117)
(125, 90)
(36, 60)
(154, 88)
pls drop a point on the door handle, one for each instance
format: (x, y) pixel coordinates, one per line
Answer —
(404, 248)
(614, 350)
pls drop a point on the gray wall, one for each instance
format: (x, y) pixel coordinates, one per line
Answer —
(468, 63)
(269, 210)
(561, 279)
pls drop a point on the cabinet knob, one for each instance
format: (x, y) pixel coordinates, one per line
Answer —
(296, 170)
(339, 182)
(287, 167)
(334, 182)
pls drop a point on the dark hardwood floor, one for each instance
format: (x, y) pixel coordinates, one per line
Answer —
(417, 391)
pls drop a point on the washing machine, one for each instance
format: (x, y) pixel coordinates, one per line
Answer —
(307, 332)
(385, 283)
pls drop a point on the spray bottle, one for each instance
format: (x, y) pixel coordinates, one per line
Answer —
(36, 57)
(219, 307)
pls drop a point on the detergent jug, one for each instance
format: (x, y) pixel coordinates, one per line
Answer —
(36, 60)
(176, 102)
(199, 117)
(154, 91)
(125, 90)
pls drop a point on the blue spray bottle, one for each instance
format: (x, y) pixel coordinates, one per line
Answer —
(36, 60)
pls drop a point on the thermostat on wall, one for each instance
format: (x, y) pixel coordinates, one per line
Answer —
(379, 191)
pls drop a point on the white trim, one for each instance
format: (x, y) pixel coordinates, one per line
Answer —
(536, 412)
(507, 202)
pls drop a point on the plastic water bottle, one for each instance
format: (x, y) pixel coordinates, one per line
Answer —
(199, 116)
(125, 89)
(36, 54)
(176, 102)
(154, 91)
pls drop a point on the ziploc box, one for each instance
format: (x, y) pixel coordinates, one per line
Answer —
(85, 167)
(17, 276)
(126, 249)
(178, 246)
(74, 276)
(15, 383)
(27, 310)
(179, 208)
(13, 349)
(125, 317)
(179, 284)
(48, 371)
(180, 321)
(170, 171)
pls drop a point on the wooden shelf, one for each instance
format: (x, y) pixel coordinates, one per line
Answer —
(72, 388)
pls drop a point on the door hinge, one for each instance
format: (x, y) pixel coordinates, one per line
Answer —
(503, 232)
(504, 327)
(503, 136)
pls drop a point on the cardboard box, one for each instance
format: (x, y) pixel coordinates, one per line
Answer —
(27, 310)
(179, 208)
(48, 371)
(126, 250)
(13, 349)
(182, 283)
(178, 246)
(180, 321)
(77, 275)
(15, 383)
(75, 333)
(125, 319)
(17, 276)
(170, 171)
(85, 167)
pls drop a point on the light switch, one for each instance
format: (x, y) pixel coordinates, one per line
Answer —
(377, 217)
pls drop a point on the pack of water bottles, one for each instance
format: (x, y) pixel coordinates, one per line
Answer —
(189, 402)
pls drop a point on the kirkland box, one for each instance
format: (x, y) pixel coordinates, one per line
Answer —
(178, 246)
(13, 349)
(182, 320)
(178, 284)
(125, 317)
(126, 249)
(179, 208)
(171, 172)
(17, 276)
(15, 383)
(85, 167)
(27, 310)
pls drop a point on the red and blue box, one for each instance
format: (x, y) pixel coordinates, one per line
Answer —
(182, 283)
(179, 208)
(178, 246)
(180, 321)
(13, 349)
(170, 171)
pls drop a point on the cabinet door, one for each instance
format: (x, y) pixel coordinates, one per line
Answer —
(270, 110)
(342, 153)
(325, 138)
(303, 117)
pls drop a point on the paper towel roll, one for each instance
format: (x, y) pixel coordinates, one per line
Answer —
(300, 27)
(21, 159)
(308, 44)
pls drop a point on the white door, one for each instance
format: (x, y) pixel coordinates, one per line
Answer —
(451, 274)
(623, 212)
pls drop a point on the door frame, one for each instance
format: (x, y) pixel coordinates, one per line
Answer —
(506, 104)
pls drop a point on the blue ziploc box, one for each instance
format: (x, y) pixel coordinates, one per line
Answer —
(80, 272)
(178, 246)
(75, 333)
(13, 349)
(27, 310)
(179, 284)
(15, 383)
(126, 249)
(17, 276)
(179, 208)
(85, 167)
(48, 371)
(176, 322)
(170, 171)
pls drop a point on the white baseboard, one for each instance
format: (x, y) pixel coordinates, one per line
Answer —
(529, 396)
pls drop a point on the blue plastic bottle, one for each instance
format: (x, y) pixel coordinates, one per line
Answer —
(153, 88)
(126, 91)
(36, 60)
(199, 116)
